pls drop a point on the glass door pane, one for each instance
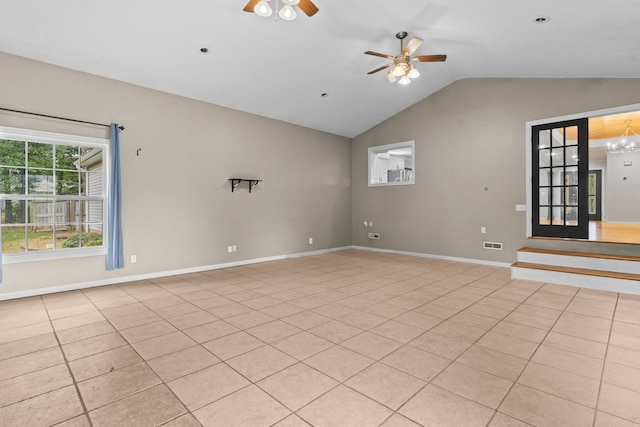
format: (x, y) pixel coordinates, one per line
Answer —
(560, 204)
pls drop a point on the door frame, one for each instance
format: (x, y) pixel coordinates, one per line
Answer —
(599, 204)
(528, 127)
(580, 230)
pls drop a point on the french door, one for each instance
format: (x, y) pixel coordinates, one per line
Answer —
(560, 168)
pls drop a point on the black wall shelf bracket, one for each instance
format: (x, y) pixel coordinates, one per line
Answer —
(235, 182)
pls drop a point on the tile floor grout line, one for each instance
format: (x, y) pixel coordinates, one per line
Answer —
(351, 289)
(533, 354)
(85, 411)
(306, 404)
(335, 319)
(343, 382)
(128, 343)
(604, 360)
(430, 382)
(146, 362)
(250, 382)
(201, 345)
(36, 351)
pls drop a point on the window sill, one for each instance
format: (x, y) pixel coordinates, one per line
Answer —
(51, 255)
(390, 184)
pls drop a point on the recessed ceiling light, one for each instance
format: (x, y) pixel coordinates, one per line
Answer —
(204, 50)
(541, 19)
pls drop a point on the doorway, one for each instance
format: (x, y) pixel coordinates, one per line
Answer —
(559, 165)
(611, 178)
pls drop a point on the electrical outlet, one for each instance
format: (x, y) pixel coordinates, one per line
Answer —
(370, 223)
(483, 230)
(375, 236)
(134, 259)
(311, 240)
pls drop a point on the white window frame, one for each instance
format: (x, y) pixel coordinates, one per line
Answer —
(62, 139)
(374, 152)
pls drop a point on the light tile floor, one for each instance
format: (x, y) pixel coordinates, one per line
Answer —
(351, 338)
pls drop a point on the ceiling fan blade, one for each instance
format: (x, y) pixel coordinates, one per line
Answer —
(379, 69)
(412, 46)
(308, 7)
(251, 5)
(430, 58)
(381, 55)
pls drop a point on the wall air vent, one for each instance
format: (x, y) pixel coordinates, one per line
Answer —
(492, 245)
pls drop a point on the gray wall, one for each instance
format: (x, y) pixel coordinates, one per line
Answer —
(470, 136)
(179, 212)
(178, 209)
(623, 183)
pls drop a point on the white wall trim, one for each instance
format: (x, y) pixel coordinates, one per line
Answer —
(609, 284)
(442, 257)
(155, 275)
(593, 113)
(530, 124)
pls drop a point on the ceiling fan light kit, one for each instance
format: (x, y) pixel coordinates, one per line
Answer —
(402, 70)
(287, 12)
(263, 9)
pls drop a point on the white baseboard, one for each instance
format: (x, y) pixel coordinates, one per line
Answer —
(442, 257)
(155, 275)
(584, 281)
(586, 262)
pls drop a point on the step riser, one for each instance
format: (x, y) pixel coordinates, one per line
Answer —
(585, 281)
(618, 266)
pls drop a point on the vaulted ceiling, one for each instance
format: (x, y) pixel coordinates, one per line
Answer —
(280, 69)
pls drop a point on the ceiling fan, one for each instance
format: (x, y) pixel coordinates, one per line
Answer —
(403, 69)
(287, 12)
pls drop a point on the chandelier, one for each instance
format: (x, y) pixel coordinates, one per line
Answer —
(626, 143)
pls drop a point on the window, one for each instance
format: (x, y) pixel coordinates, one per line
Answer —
(52, 194)
(392, 164)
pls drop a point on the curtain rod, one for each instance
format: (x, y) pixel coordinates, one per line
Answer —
(57, 117)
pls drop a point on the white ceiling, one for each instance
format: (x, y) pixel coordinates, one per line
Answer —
(279, 69)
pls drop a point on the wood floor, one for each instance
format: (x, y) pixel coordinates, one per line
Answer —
(602, 231)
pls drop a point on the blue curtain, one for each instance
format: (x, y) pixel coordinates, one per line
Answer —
(115, 253)
(0, 255)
